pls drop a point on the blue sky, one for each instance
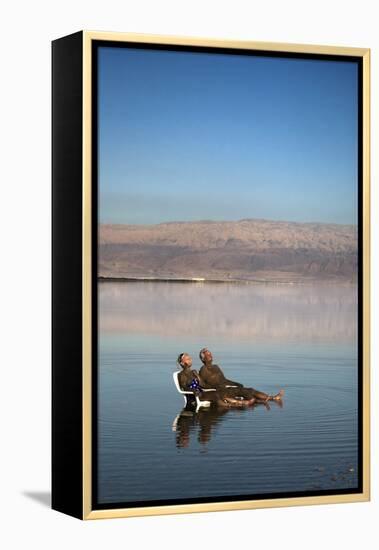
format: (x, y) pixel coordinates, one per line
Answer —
(189, 136)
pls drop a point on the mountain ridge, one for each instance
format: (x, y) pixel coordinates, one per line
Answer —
(243, 249)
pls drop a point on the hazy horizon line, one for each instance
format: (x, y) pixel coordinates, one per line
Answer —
(214, 221)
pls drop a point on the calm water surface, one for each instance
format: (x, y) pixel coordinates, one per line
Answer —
(300, 338)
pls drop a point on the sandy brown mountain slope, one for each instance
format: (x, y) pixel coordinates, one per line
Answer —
(245, 249)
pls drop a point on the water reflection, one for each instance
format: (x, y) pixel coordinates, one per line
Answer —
(300, 338)
(198, 424)
(308, 313)
(202, 425)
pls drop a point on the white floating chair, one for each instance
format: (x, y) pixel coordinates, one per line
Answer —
(190, 396)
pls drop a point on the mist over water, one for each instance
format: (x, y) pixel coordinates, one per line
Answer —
(302, 338)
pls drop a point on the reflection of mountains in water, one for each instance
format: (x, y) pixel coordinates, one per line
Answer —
(320, 313)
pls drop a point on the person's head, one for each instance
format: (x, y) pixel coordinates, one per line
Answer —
(205, 356)
(185, 360)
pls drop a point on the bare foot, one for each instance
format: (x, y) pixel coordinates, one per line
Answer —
(278, 396)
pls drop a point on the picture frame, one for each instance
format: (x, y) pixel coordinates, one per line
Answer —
(76, 201)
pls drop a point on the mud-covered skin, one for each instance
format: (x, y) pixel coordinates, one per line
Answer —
(223, 396)
(185, 378)
(213, 377)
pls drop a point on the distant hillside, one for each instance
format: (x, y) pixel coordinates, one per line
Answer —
(245, 249)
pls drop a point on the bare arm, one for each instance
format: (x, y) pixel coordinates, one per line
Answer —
(228, 382)
(232, 383)
(203, 380)
(197, 376)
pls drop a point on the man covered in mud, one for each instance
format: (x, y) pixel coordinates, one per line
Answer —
(213, 377)
(190, 380)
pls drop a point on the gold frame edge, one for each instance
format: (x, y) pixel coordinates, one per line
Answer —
(225, 43)
(88, 513)
(366, 97)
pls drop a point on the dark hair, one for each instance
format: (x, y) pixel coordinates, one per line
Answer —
(201, 354)
(180, 357)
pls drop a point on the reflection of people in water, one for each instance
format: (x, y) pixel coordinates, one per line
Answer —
(213, 377)
(204, 421)
(190, 380)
